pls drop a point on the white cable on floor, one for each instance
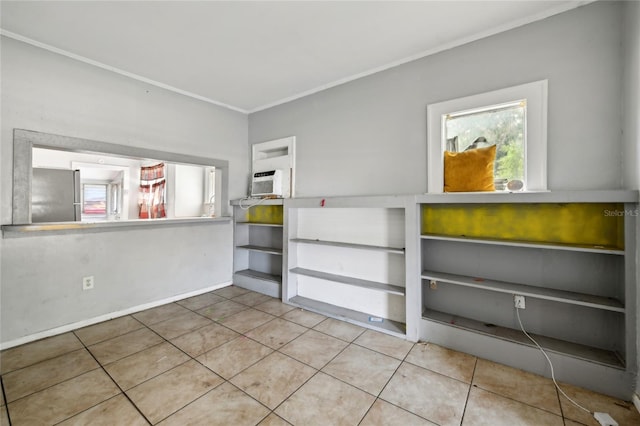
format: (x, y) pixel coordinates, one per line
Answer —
(553, 377)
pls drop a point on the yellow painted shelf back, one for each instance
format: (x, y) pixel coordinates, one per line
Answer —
(585, 224)
(266, 214)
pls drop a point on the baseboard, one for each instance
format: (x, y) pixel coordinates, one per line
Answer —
(636, 401)
(84, 323)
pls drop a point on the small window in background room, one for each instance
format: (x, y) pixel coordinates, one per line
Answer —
(494, 141)
(94, 201)
(501, 125)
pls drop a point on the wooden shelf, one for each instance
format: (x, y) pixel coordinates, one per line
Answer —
(348, 245)
(268, 250)
(371, 285)
(259, 275)
(349, 315)
(272, 225)
(527, 244)
(597, 355)
(591, 301)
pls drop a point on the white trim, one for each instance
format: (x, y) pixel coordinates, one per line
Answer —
(118, 70)
(636, 401)
(441, 48)
(536, 131)
(106, 317)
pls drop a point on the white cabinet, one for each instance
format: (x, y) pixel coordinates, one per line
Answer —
(258, 257)
(346, 259)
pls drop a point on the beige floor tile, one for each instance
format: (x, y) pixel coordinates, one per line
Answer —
(169, 392)
(274, 307)
(204, 339)
(115, 411)
(487, 408)
(274, 420)
(457, 365)
(230, 291)
(223, 406)
(160, 313)
(276, 333)
(42, 375)
(314, 348)
(430, 395)
(202, 301)
(252, 298)
(222, 310)
(340, 329)
(63, 400)
(2, 401)
(305, 318)
(384, 343)
(231, 358)
(324, 400)
(4, 416)
(144, 365)
(383, 413)
(180, 324)
(622, 412)
(119, 347)
(572, 423)
(246, 320)
(516, 384)
(273, 379)
(107, 330)
(31, 353)
(363, 368)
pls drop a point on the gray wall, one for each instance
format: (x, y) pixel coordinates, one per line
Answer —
(41, 275)
(631, 129)
(369, 136)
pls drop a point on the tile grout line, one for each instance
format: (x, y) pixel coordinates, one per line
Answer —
(466, 401)
(6, 403)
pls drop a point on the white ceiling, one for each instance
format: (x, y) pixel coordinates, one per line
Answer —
(251, 55)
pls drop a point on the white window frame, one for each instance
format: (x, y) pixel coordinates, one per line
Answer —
(535, 164)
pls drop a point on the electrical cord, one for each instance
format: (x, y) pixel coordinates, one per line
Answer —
(247, 207)
(553, 377)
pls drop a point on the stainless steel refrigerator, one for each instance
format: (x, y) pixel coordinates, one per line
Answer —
(55, 195)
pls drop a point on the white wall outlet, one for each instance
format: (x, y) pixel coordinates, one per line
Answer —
(433, 285)
(518, 301)
(87, 283)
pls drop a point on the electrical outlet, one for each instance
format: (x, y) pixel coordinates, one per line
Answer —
(433, 285)
(518, 301)
(87, 283)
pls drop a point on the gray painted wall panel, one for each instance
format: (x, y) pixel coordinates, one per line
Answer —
(368, 136)
(41, 275)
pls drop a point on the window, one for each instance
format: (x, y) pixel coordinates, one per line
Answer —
(111, 174)
(514, 119)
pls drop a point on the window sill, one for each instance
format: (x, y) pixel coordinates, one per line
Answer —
(60, 228)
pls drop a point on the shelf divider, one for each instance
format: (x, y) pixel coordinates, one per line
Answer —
(563, 296)
(601, 356)
(371, 285)
(261, 249)
(348, 245)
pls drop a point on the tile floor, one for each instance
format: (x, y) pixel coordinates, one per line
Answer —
(234, 357)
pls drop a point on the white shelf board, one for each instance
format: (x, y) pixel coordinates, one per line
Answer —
(268, 250)
(272, 225)
(348, 245)
(349, 315)
(259, 275)
(527, 244)
(597, 355)
(371, 285)
(570, 297)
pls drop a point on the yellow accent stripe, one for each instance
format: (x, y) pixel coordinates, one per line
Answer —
(588, 224)
(265, 214)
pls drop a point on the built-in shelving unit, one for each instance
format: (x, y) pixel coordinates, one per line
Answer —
(570, 254)
(258, 253)
(346, 259)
